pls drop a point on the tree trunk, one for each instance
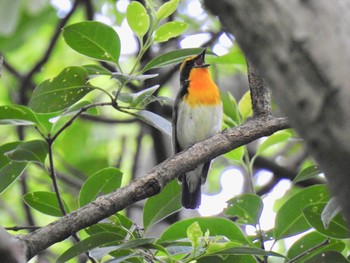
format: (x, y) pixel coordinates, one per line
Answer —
(302, 49)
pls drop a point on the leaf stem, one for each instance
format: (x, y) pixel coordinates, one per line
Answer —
(81, 111)
(54, 178)
(249, 184)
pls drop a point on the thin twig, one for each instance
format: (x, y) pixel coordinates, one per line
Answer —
(54, 179)
(323, 243)
(18, 228)
(81, 111)
(123, 147)
(58, 194)
(261, 238)
(11, 69)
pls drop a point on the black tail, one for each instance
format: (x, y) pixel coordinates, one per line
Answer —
(191, 200)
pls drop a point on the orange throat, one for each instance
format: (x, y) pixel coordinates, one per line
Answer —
(202, 90)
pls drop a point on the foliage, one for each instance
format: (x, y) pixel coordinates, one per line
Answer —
(59, 148)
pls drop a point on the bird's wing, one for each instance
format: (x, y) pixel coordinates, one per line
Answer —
(180, 95)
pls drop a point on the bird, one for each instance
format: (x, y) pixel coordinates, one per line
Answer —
(197, 115)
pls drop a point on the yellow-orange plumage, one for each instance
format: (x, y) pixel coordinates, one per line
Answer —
(201, 90)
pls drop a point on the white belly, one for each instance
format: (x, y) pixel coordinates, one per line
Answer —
(197, 124)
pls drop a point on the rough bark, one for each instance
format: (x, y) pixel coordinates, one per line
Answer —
(150, 184)
(10, 251)
(302, 49)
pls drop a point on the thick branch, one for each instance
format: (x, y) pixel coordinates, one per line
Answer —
(10, 252)
(259, 92)
(290, 43)
(150, 184)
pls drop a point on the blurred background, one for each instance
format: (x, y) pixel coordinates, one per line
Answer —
(33, 50)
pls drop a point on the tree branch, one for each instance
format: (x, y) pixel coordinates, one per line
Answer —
(10, 252)
(150, 184)
(259, 92)
(310, 84)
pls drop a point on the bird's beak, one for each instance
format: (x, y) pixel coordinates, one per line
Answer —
(199, 61)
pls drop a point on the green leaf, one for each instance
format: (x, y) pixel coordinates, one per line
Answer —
(227, 259)
(62, 91)
(117, 224)
(169, 30)
(9, 173)
(156, 121)
(103, 181)
(216, 226)
(249, 251)
(247, 207)
(330, 211)
(30, 151)
(122, 77)
(290, 219)
(17, 115)
(139, 99)
(60, 121)
(245, 106)
(216, 247)
(142, 96)
(236, 154)
(167, 9)
(194, 234)
(173, 57)
(134, 243)
(138, 19)
(93, 39)
(120, 250)
(96, 70)
(162, 205)
(311, 240)
(230, 107)
(44, 202)
(87, 244)
(337, 228)
(106, 227)
(9, 170)
(306, 173)
(272, 140)
(7, 148)
(328, 257)
(78, 106)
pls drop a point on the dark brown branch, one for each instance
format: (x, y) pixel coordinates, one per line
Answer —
(10, 252)
(89, 9)
(11, 69)
(123, 147)
(259, 92)
(150, 184)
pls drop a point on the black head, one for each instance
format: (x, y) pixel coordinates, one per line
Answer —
(188, 64)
